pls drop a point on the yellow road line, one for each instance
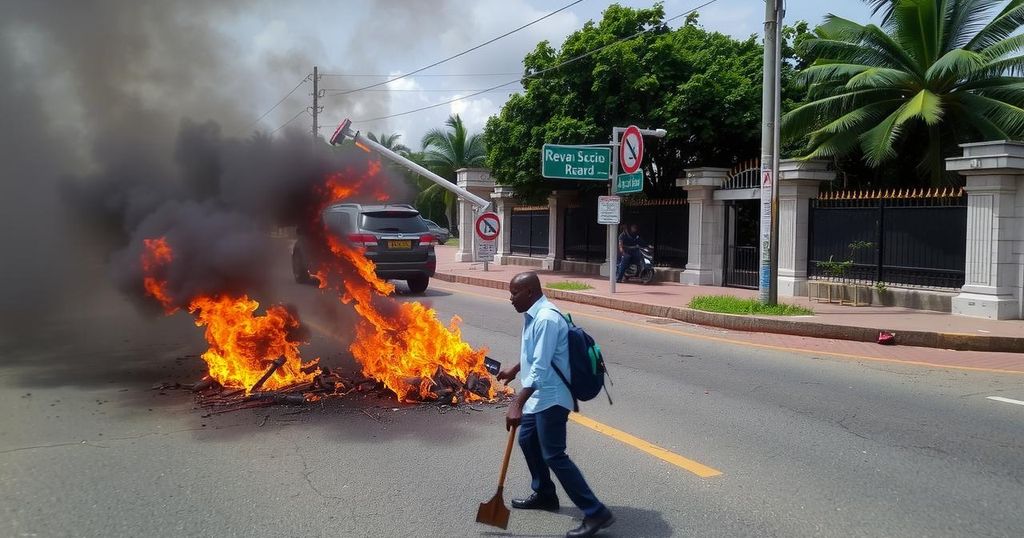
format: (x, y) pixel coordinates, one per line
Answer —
(694, 467)
(761, 346)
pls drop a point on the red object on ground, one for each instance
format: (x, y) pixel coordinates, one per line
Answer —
(886, 338)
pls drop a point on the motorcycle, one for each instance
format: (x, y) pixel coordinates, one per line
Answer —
(643, 271)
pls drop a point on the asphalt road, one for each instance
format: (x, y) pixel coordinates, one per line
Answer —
(806, 446)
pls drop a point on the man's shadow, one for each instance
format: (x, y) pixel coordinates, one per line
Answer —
(629, 521)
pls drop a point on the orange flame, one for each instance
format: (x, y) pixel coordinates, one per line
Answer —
(401, 344)
(156, 256)
(242, 345)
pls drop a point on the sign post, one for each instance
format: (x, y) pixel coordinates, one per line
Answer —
(487, 227)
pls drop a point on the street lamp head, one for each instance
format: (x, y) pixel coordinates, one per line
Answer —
(660, 133)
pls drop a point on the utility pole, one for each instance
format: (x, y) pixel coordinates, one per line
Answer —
(316, 102)
(768, 240)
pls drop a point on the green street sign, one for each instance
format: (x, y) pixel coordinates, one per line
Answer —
(627, 183)
(576, 162)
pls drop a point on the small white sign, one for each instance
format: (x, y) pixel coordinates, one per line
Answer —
(485, 250)
(608, 211)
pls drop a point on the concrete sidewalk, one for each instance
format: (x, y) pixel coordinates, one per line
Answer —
(912, 327)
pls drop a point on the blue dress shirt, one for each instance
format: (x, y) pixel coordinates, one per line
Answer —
(545, 341)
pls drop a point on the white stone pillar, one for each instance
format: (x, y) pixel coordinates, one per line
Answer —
(994, 280)
(799, 182)
(557, 203)
(707, 226)
(504, 201)
(479, 182)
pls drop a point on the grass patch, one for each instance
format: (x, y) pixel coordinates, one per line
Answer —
(569, 285)
(452, 242)
(727, 304)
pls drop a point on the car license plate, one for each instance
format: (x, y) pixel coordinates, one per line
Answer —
(404, 244)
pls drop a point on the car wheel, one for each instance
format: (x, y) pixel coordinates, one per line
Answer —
(647, 275)
(299, 269)
(418, 284)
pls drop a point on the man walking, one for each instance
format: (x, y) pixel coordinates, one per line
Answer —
(541, 408)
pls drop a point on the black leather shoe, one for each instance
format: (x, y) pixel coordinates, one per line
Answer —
(536, 502)
(591, 525)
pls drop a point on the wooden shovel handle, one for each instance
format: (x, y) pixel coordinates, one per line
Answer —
(508, 454)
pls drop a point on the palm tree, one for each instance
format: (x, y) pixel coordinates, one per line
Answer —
(444, 152)
(390, 141)
(937, 73)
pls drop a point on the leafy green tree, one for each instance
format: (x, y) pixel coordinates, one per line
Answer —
(935, 74)
(704, 88)
(445, 151)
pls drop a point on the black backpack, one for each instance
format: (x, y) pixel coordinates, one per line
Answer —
(586, 366)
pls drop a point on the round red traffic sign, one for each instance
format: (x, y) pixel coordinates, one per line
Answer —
(631, 149)
(487, 226)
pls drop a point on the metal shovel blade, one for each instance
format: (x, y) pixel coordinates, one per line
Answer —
(494, 512)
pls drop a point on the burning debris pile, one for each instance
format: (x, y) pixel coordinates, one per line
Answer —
(254, 358)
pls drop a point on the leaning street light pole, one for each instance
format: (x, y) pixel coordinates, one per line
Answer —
(767, 274)
(344, 130)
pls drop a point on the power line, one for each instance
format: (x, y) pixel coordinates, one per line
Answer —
(426, 75)
(301, 82)
(506, 34)
(543, 71)
(297, 114)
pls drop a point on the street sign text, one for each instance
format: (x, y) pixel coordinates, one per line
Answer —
(576, 162)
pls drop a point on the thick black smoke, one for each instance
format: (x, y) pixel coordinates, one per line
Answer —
(99, 152)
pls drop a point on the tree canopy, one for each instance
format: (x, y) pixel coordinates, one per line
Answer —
(935, 74)
(703, 87)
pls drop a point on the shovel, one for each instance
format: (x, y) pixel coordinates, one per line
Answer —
(494, 512)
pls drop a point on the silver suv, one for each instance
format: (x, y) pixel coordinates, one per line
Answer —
(395, 238)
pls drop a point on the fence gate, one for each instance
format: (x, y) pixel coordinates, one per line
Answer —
(741, 196)
(740, 263)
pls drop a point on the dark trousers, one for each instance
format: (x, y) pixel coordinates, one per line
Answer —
(631, 255)
(542, 438)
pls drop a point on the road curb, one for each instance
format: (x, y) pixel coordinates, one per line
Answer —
(957, 341)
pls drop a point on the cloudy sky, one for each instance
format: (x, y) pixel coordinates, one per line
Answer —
(102, 70)
(351, 42)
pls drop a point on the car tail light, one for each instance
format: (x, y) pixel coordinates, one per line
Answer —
(363, 240)
(428, 239)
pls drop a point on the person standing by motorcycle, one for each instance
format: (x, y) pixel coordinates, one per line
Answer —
(629, 249)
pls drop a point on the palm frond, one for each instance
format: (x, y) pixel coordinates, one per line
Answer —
(880, 77)
(1008, 21)
(979, 123)
(925, 106)
(855, 120)
(916, 24)
(964, 19)
(1008, 46)
(1008, 117)
(877, 143)
(955, 65)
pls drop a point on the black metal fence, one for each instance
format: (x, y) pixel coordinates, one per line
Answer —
(529, 231)
(662, 223)
(908, 238)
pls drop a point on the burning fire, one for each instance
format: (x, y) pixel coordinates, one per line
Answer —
(242, 344)
(401, 344)
(406, 348)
